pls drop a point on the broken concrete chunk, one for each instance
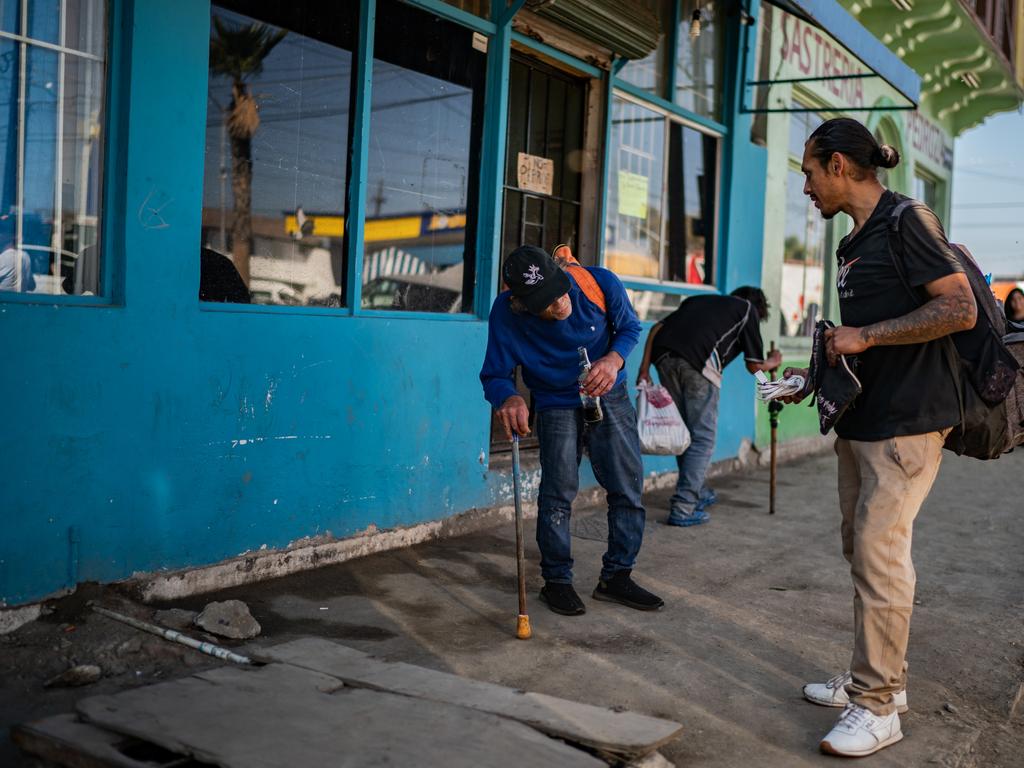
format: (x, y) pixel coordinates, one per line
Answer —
(230, 618)
(175, 618)
(83, 674)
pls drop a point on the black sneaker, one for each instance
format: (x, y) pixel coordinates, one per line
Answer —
(620, 588)
(562, 598)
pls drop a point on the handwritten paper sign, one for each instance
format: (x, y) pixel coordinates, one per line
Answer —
(633, 194)
(536, 174)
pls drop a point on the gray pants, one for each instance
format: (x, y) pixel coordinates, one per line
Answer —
(697, 401)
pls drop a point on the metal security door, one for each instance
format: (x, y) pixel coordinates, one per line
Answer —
(543, 173)
(545, 129)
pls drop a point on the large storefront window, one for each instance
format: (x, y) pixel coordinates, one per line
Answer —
(661, 197)
(425, 133)
(277, 153)
(52, 75)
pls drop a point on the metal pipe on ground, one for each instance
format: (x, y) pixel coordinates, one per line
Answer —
(177, 637)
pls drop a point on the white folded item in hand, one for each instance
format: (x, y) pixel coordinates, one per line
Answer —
(772, 390)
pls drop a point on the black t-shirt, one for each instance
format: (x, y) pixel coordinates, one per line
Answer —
(709, 332)
(908, 389)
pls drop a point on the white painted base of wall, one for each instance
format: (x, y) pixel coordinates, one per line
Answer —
(310, 553)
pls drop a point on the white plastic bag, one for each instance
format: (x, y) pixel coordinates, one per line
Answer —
(662, 430)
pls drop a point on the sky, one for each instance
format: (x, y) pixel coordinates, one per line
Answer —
(988, 194)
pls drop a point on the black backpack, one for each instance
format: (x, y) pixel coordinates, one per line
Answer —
(983, 369)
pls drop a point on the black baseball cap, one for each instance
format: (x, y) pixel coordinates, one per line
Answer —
(534, 278)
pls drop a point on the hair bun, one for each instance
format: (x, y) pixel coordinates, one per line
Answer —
(888, 157)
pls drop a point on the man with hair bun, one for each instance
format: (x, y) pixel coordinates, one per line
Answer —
(889, 441)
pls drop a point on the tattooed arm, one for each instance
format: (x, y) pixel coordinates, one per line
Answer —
(950, 309)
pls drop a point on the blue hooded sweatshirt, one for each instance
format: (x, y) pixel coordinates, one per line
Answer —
(547, 350)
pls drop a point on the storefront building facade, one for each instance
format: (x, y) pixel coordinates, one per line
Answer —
(251, 248)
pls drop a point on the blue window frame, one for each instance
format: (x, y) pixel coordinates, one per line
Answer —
(53, 74)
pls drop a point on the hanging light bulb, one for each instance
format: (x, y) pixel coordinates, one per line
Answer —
(695, 24)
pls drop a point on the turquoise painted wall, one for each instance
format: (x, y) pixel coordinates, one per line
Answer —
(155, 434)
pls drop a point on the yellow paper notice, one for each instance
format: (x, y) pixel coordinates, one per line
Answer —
(633, 194)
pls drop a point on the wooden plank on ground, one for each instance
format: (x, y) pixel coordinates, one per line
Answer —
(623, 734)
(64, 740)
(282, 715)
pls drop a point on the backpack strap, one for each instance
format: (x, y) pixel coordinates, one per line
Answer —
(582, 276)
(896, 254)
(896, 248)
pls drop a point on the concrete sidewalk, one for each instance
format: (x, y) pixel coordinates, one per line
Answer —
(756, 605)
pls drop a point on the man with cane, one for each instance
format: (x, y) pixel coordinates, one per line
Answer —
(546, 323)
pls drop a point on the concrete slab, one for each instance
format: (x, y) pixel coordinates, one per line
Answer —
(281, 715)
(618, 734)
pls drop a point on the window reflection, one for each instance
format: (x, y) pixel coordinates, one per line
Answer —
(425, 128)
(476, 7)
(633, 228)
(51, 118)
(803, 262)
(661, 215)
(691, 205)
(651, 72)
(277, 150)
(653, 305)
(801, 126)
(926, 189)
(699, 60)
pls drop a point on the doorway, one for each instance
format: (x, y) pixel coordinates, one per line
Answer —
(544, 167)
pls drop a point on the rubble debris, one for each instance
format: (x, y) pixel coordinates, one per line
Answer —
(130, 646)
(175, 618)
(230, 618)
(175, 636)
(81, 674)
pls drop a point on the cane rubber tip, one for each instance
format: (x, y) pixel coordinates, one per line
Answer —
(523, 631)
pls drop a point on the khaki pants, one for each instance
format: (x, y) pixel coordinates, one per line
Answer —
(881, 488)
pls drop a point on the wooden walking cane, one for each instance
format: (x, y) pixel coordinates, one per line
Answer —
(774, 409)
(523, 631)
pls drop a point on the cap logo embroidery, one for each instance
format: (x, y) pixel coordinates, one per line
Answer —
(533, 275)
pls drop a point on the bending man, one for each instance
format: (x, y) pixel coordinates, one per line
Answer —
(690, 348)
(539, 324)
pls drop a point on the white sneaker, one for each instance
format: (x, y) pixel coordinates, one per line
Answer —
(833, 693)
(858, 732)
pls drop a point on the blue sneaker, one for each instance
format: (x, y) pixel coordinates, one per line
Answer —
(682, 519)
(706, 501)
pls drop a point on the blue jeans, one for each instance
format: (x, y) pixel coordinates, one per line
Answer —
(697, 400)
(614, 449)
